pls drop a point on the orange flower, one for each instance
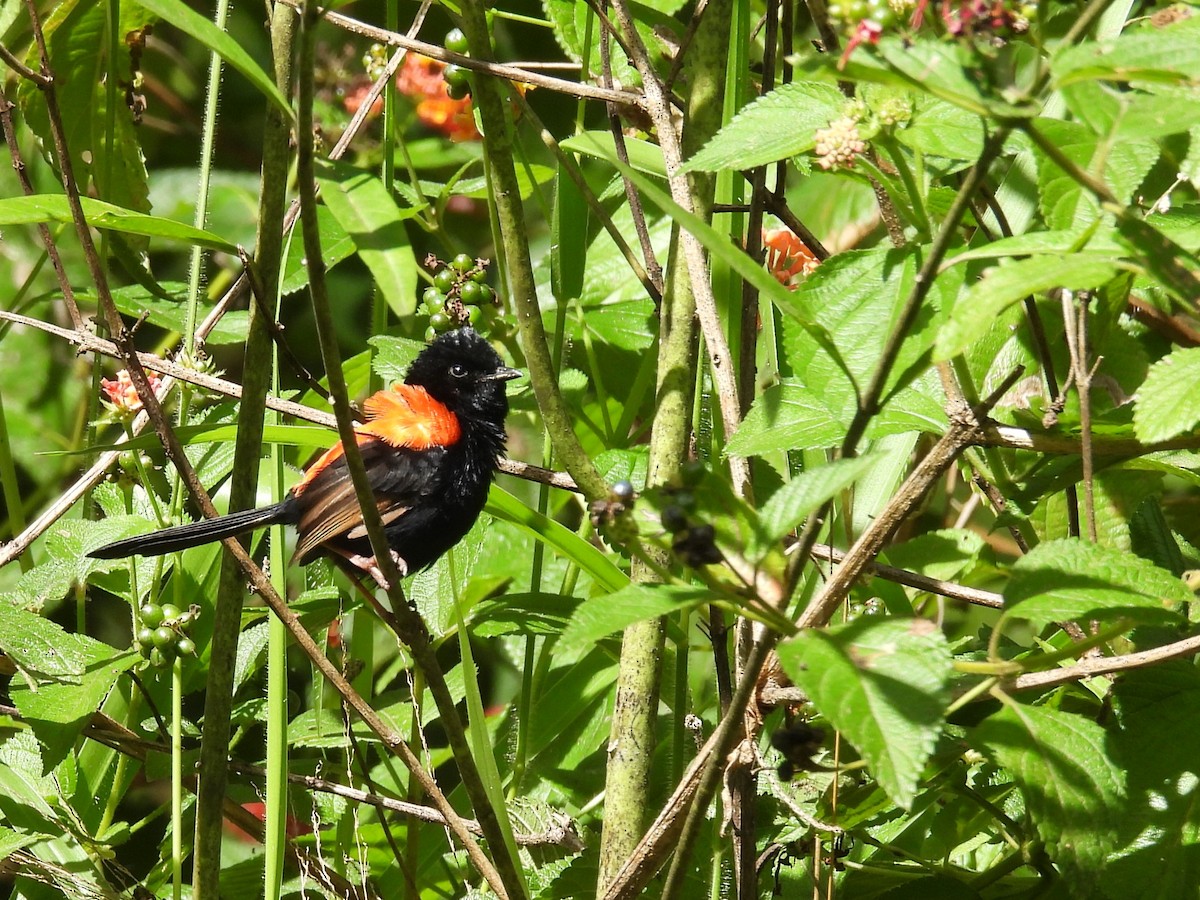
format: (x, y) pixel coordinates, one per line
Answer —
(420, 78)
(121, 395)
(787, 255)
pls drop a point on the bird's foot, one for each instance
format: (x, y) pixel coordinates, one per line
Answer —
(371, 566)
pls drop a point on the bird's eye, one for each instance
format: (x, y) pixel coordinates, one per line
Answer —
(458, 370)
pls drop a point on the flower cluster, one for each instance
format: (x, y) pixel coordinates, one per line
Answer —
(840, 144)
(422, 80)
(120, 396)
(787, 256)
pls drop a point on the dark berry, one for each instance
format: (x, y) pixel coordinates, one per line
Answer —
(674, 519)
(686, 500)
(623, 491)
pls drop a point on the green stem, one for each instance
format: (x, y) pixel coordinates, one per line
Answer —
(177, 777)
(496, 116)
(214, 747)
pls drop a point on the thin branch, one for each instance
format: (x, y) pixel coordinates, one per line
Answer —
(10, 59)
(977, 596)
(18, 164)
(500, 70)
(1104, 665)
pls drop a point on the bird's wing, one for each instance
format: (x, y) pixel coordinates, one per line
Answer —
(328, 506)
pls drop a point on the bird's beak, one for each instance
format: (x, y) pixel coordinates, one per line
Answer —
(504, 373)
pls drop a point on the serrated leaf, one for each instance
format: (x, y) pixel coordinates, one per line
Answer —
(1072, 579)
(371, 218)
(599, 617)
(805, 494)
(38, 647)
(884, 684)
(1168, 402)
(1146, 54)
(1073, 789)
(106, 216)
(1155, 855)
(978, 308)
(778, 125)
(58, 709)
(942, 129)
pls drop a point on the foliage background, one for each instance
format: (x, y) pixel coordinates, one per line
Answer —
(985, 392)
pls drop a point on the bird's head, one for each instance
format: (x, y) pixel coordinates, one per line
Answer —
(462, 371)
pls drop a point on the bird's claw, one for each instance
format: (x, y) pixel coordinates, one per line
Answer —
(371, 566)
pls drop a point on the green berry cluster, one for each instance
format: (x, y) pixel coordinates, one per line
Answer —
(458, 79)
(849, 13)
(460, 294)
(164, 630)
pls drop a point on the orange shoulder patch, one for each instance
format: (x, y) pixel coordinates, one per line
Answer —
(407, 416)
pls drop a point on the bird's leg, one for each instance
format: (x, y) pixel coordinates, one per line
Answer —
(371, 566)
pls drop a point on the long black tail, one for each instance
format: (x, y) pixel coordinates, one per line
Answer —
(181, 537)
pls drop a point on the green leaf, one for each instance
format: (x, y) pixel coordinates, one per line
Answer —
(336, 246)
(590, 558)
(942, 129)
(194, 25)
(1168, 402)
(76, 39)
(599, 617)
(568, 238)
(884, 684)
(38, 647)
(371, 218)
(393, 356)
(53, 208)
(1166, 54)
(1073, 789)
(1072, 579)
(1122, 164)
(805, 494)
(778, 125)
(1005, 285)
(1154, 857)
(58, 709)
(643, 155)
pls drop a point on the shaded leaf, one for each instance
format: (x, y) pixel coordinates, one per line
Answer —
(1073, 788)
(1001, 287)
(883, 683)
(1073, 579)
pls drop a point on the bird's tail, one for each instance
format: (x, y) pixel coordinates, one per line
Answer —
(180, 537)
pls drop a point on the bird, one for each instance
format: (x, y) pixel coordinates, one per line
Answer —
(431, 446)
